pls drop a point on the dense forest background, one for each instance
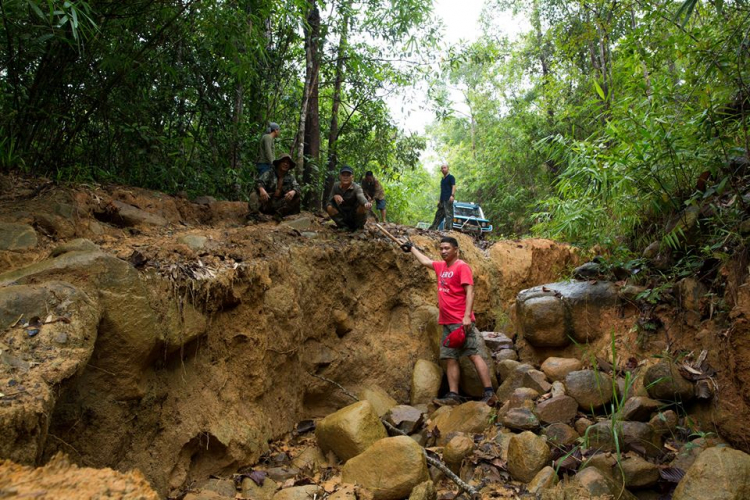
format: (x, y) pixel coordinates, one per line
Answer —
(597, 126)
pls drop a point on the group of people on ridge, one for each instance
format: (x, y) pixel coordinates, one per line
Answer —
(277, 191)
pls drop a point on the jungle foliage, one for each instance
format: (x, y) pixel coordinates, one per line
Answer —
(605, 120)
(174, 95)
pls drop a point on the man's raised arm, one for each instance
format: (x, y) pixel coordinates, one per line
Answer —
(422, 258)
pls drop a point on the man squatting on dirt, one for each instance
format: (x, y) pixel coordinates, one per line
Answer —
(348, 205)
(276, 192)
(455, 285)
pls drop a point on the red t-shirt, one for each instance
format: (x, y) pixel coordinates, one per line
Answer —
(451, 293)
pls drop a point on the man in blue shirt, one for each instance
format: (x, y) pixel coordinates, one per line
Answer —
(445, 205)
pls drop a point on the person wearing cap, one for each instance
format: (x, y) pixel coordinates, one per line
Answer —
(267, 153)
(277, 192)
(374, 191)
(348, 205)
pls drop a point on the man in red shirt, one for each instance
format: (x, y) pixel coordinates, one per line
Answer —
(455, 301)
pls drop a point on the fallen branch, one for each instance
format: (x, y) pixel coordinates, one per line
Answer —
(430, 460)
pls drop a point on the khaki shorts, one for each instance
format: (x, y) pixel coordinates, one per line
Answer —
(470, 347)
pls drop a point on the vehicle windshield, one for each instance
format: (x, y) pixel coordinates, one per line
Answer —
(466, 212)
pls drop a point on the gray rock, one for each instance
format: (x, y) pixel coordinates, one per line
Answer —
(591, 482)
(632, 436)
(589, 388)
(557, 409)
(534, 379)
(404, 417)
(560, 434)
(664, 422)
(513, 381)
(587, 271)
(130, 216)
(523, 397)
(15, 237)
(496, 341)
(552, 314)
(558, 389)
(639, 408)
(639, 473)
(224, 487)
(194, 242)
(504, 354)
(505, 367)
(77, 245)
(252, 491)
(520, 419)
(663, 381)
(281, 474)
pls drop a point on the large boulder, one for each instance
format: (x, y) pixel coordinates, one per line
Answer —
(380, 400)
(470, 418)
(558, 368)
(553, 314)
(719, 473)
(589, 388)
(350, 431)
(557, 409)
(425, 382)
(663, 381)
(16, 237)
(389, 469)
(527, 455)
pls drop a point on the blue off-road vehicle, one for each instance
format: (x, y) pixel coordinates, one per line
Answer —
(469, 218)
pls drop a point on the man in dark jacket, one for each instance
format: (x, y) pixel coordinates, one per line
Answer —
(447, 196)
(348, 206)
(277, 191)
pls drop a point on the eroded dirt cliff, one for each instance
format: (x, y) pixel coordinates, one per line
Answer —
(178, 340)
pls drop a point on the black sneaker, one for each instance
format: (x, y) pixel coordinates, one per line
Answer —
(450, 399)
(490, 398)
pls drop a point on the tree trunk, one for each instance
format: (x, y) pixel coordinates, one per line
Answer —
(310, 176)
(333, 132)
(299, 141)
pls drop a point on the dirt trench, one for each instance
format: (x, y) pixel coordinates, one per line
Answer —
(183, 360)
